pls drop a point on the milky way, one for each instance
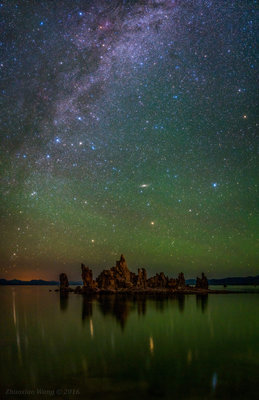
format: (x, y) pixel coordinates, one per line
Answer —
(129, 127)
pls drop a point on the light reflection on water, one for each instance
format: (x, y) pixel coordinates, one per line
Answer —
(194, 347)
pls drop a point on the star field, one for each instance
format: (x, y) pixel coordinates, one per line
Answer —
(129, 126)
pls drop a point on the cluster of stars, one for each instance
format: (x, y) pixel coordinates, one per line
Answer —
(129, 127)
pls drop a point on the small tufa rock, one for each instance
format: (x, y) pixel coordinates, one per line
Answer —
(106, 280)
(77, 289)
(202, 283)
(173, 283)
(141, 281)
(87, 276)
(181, 281)
(64, 284)
(159, 281)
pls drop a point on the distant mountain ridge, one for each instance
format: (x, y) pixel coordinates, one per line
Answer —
(236, 280)
(247, 280)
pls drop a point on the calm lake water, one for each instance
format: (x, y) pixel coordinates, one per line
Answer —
(188, 347)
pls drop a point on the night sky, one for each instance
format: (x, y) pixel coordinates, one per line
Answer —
(128, 127)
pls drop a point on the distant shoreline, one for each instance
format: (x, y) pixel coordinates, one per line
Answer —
(233, 281)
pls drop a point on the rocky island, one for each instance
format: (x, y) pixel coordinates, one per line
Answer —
(120, 279)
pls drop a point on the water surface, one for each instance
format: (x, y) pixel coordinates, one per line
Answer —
(115, 347)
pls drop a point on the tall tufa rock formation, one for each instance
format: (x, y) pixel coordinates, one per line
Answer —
(121, 273)
(120, 279)
(87, 277)
(117, 277)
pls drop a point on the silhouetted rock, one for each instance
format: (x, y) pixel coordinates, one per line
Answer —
(202, 283)
(89, 284)
(106, 280)
(159, 281)
(78, 289)
(181, 281)
(141, 278)
(173, 283)
(64, 284)
(121, 274)
(121, 278)
(87, 277)
(117, 277)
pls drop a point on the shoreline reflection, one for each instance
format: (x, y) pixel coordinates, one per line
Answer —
(63, 301)
(202, 302)
(120, 306)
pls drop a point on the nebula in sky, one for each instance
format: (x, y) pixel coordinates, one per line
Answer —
(129, 127)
